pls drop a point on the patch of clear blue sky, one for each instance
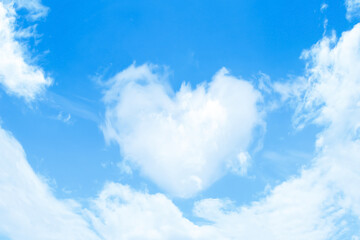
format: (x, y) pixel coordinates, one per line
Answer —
(4, 238)
(82, 39)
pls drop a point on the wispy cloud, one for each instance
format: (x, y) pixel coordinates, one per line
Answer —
(323, 7)
(18, 75)
(64, 117)
(73, 106)
(352, 9)
(35, 8)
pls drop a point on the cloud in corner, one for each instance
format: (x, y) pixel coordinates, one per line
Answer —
(17, 75)
(352, 9)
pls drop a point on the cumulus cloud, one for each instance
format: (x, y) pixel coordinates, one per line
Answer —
(29, 210)
(119, 212)
(294, 210)
(18, 75)
(307, 207)
(183, 140)
(328, 95)
(352, 9)
(332, 99)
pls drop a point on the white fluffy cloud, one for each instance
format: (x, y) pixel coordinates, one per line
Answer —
(332, 99)
(307, 207)
(352, 9)
(333, 84)
(122, 213)
(17, 75)
(182, 141)
(295, 209)
(328, 95)
(28, 210)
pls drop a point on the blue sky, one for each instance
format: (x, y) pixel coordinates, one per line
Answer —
(194, 119)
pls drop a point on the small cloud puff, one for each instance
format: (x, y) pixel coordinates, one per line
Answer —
(323, 7)
(63, 117)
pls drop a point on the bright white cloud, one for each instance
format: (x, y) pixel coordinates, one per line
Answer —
(332, 99)
(333, 86)
(18, 75)
(295, 209)
(307, 207)
(122, 213)
(28, 210)
(182, 141)
(352, 8)
(328, 95)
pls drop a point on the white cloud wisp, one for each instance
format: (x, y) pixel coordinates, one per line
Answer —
(352, 9)
(17, 75)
